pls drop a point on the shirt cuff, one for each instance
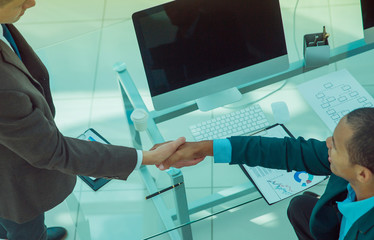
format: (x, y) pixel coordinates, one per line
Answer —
(222, 151)
(140, 159)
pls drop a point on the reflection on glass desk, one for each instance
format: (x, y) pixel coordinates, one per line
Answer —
(213, 194)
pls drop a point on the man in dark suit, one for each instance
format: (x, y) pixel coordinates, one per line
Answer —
(346, 209)
(38, 165)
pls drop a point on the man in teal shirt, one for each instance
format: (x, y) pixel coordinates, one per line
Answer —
(346, 209)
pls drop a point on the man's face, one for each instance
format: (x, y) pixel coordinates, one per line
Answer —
(338, 155)
(12, 11)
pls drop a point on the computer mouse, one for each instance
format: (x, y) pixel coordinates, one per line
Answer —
(280, 112)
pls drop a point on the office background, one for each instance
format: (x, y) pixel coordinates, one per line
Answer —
(80, 40)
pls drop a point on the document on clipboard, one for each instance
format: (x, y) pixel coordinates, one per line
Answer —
(273, 184)
(93, 136)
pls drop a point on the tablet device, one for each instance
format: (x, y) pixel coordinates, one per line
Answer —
(273, 184)
(91, 135)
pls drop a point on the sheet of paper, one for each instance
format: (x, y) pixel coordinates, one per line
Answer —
(274, 184)
(334, 95)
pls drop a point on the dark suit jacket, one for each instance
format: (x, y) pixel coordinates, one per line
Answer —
(310, 156)
(37, 163)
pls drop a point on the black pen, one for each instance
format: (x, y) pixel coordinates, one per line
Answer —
(163, 190)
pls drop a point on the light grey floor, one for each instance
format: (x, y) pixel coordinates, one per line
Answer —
(79, 41)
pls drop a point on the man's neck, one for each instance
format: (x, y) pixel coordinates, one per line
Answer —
(363, 191)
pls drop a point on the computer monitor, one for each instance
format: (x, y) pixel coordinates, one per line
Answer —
(204, 49)
(367, 9)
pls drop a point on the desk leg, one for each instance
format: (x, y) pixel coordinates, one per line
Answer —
(127, 88)
(181, 204)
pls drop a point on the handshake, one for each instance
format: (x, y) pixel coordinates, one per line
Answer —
(178, 153)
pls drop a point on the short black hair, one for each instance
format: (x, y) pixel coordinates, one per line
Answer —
(361, 145)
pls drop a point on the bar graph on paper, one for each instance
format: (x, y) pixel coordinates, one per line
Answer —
(334, 95)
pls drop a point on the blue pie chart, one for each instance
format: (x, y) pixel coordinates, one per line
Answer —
(304, 182)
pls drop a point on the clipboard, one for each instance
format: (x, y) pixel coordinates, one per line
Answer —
(92, 135)
(275, 185)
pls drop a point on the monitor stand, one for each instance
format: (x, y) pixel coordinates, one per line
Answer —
(369, 35)
(218, 99)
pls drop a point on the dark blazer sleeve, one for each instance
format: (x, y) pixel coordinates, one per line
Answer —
(287, 153)
(28, 132)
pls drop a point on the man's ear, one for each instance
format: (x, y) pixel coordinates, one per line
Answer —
(364, 175)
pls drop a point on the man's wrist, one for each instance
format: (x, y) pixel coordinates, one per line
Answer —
(206, 147)
(147, 158)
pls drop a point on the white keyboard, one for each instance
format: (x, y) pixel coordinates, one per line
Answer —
(237, 123)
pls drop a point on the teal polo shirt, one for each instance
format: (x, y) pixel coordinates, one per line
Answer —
(352, 210)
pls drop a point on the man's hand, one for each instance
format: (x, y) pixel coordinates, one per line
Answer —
(162, 152)
(188, 154)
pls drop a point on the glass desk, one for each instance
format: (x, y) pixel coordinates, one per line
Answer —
(179, 213)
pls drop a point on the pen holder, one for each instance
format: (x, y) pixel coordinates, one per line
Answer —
(316, 50)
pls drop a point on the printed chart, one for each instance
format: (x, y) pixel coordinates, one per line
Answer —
(276, 185)
(334, 95)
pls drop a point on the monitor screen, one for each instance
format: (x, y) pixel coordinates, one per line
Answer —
(194, 48)
(367, 8)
